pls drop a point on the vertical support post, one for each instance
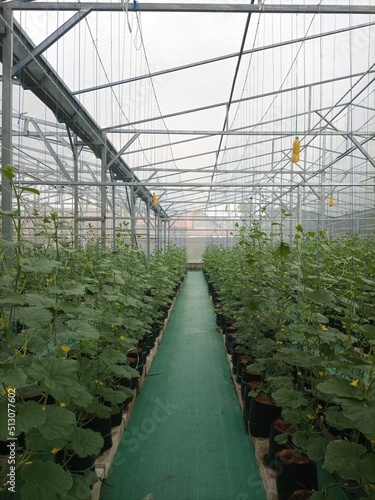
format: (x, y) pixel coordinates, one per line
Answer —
(148, 228)
(165, 235)
(113, 215)
(299, 205)
(157, 231)
(76, 198)
(103, 193)
(323, 187)
(6, 146)
(132, 216)
(169, 232)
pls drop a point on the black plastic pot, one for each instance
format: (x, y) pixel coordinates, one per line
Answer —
(229, 338)
(278, 427)
(301, 495)
(136, 360)
(242, 363)
(250, 386)
(294, 471)
(246, 377)
(104, 427)
(116, 418)
(74, 463)
(262, 413)
(238, 351)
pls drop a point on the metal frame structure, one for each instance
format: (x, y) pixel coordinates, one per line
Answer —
(208, 188)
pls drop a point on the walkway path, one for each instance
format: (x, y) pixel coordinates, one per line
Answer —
(185, 439)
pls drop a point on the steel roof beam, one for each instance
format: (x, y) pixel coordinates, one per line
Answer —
(280, 133)
(49, 41)
(221, 58)
(237, 101)
(196, 185)
(197, 7)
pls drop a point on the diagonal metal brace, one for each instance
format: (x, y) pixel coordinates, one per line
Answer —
(124, 148)
(42, 47)
(356, 143)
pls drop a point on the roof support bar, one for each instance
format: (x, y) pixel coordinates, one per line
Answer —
(222, 58)
(198, 7)
(245, 99)
(123, 149)
(349, 136)
(51, 150)
(42, 47)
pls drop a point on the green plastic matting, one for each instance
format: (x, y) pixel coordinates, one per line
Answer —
(186, 438)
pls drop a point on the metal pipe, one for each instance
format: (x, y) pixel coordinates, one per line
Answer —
(168, 185)
(6, 140)
(103, 193)
(196, 7)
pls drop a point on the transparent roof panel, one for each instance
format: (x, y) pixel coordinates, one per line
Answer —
(208, 104)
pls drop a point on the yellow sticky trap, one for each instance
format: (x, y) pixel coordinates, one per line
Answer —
(226, 207)
(296, 150)
(154, 199)
(330, 201)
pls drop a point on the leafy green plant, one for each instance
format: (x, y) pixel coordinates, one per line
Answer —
(68, 317)
(305, 311)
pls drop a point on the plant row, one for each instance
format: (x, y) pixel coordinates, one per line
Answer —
(299, 320)
(75, 327)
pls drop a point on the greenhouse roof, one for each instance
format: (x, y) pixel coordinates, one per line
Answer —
(198, 103)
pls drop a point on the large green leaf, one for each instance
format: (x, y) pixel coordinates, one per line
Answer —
(368, 331)
(347, 459)
(361, 414)
(79, 330)
(54, 371)
(39, 300)
(112, 356)
(80, 489)
(70, 289)
(113, 396)
(14, 377)
(289, 398)
(340, 388)
(30, 415)
(122, 371)
(321, 296)
(313, 443)
(368, 467)
(39, 265)
(13, 298)
(72, 392)
(86, 442)
(336, 418)
(37, 442)
(39, 338)
(27, 189)
(45, 481)
(33, 317)
(59, 422)
(283, 250)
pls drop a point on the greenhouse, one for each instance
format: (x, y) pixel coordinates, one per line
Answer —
(187, 305)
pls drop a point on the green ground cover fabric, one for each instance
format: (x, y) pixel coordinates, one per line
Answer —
(186, 439)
